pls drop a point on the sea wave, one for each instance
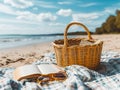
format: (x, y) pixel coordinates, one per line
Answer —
(12, 41)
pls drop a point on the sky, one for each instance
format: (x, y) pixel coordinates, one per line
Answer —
(52, 16)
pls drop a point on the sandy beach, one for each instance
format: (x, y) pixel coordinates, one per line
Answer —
(14, 57)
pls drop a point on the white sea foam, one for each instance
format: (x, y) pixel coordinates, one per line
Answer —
(8, 41)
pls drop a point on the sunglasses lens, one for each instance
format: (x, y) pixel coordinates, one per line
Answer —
(59, 76)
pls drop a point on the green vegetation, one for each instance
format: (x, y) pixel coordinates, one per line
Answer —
(112, 24)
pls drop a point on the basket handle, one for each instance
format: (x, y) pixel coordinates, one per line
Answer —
(75, 23)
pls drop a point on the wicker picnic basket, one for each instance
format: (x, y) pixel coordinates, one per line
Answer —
(81, 51)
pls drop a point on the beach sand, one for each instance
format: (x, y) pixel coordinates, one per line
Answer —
(18, 56)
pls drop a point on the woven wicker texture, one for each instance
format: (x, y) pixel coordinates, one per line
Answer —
(81, 51)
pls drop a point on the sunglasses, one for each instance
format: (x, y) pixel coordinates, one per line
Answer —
(45, 79)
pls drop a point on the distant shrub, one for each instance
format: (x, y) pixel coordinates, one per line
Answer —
(111, 25)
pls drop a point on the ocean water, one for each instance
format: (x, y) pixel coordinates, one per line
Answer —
(9, 41)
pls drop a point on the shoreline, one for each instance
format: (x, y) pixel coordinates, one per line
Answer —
(27, 54)
(26, 45)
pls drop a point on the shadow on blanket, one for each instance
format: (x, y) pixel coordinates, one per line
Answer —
(111, 78)
(111, 67)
